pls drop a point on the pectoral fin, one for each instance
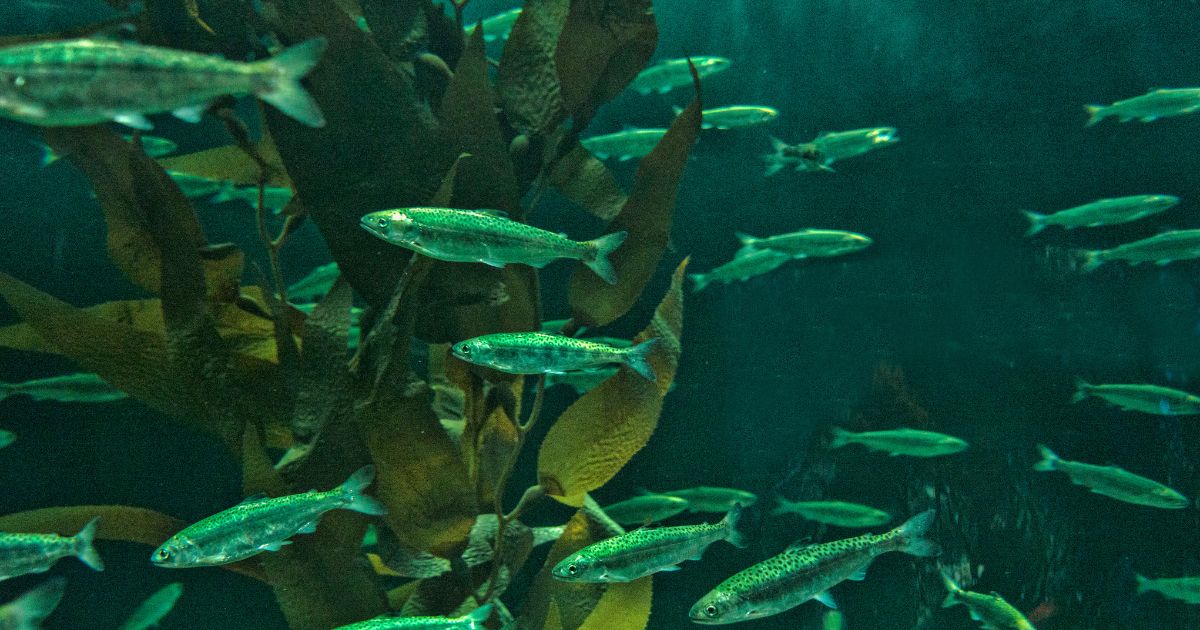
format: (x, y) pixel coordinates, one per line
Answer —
(826, 598)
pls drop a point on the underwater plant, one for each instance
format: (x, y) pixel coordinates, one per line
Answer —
(413, 117)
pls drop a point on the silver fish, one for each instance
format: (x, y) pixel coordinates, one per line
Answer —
(1113, 482)
(1101, 212)
(27, 611)
(1153, 399)
(741, 268)
(667, 75)
(1161, 249)
(808, 243)
(1148, 107)
(36, 553)
(154, 608)
(625, 144)
(84, 387)
(315, 285)
(498, 27)
(275, 198)
(735, 116)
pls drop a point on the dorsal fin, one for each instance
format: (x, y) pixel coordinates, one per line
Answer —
(491, 213)
(800, 543)
(255, 497)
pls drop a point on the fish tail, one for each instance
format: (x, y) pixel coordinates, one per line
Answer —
(1082, 388)
(732, 534)
(83, 545)
(476, 617)
(952, 590)
(1095, 113)
(226, 193)
(284, 90)
(1143, 583)
(27, 611)
(782, 506)
(354, 498)
(699, 281)
(745, 239)
(841, 437)
(912, 535)
(599, 262)
(48, 155)
(1092, 259)
(637, 359)
(1037, 222)
(1049, 459)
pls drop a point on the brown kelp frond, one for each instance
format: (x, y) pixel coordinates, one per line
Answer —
(647, 217)
(598, 434)
(624, 606)
(117, 522)
(583, 179)
(555, 603)
(527, 81)
(230, 163)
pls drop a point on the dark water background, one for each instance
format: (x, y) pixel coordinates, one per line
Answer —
(989, 328)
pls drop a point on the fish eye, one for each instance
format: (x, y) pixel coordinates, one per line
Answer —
(382, 222)
(465, 349)
(710, 610)
(162, 555)
(572, 569)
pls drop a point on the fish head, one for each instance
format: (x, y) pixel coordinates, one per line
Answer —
(710, 65)
(883, 135)
(579, 567)
(764, 115)
(720, 607)
(1171, 497)
(478, 351)
(395, 226)
(177, 552)
(1162, 201)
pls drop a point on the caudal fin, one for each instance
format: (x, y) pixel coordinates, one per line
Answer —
(841, 437)
(746, 239)
(284, 91)
(699, 281)
(83, 546)
(1082, 389)
(952, 590)
(352, 493)
(1095, 113)
(1143, 583)
(913, 536)
(732, 535)
(1037, 222)
(48, 155)
(637, 359)
(600, 263)
(227, 192)
(782, 506)
(29, 610)
(476, 617)
(1049, 459)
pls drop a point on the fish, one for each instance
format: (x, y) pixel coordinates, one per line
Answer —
(646, 509)
(1152, 399)
(83, 387)
(1161, 249)
(734, 116)
(741, 268)
(624, 145)
(547, 353)
(260, 524)
(470, 621)
(837, 513)
(154, 147)
(902, 441)
(799, 157)
(315, 285)
(833, 620)
(489, 237)
(990, 610)
(1186, 589)
(92, 81)
(839, 145)
(27, 611)
(807, 571)
(1101, 212)
(36, 553)
(275, 198)
(582, 381)
(808, 243)
(1113, 482)
(646, 551)
(712, 499)
(154, 608)
(6, 438)
(195, 186)
(669, 74)
(498, 27)
(1148, 107)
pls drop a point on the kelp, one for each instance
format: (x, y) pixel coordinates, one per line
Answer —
(598, 434)
(624, 606)
(230, 163)
(585, 180)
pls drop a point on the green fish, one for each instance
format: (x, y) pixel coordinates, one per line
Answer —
(470, 621)
(546, 353)
(1153, 399)
(315, 285)
(799, 157)
(263, 524)
(713, 499)
(624, 145)
(833, 620)
(735, 116)
(84, 387)
(645, 509)
(1113, 482)
(990, 610)
(1148, 107)
(196, 186)
(808, 243)
(92, 81)
(36, 553)
(902, 441)
(805, 572)
(582, 381)
(499, 26)
(275, 198)
(744, 266)
(33, 606)
(154, 608)
(646, 551)
(154, 147)
(839, 145)
(488, 237)
(1161, 249)
(837, 513)
(6, 438)
(1101, 212)
(669, 74)
(1186, 589)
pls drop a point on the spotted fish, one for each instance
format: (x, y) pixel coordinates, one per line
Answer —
(471, 621)
(36, 553)
(547, 353)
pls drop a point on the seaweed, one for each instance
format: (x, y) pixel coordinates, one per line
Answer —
(414, 117)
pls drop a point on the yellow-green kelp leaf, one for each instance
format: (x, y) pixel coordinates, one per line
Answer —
(647, 218)
(117, 522)
(553, 617)
(583, 179)
(604, 44)
(230, 163)
(319, 580)
(527, 80)
(624, 606)
(131, 188)
(598, 434)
